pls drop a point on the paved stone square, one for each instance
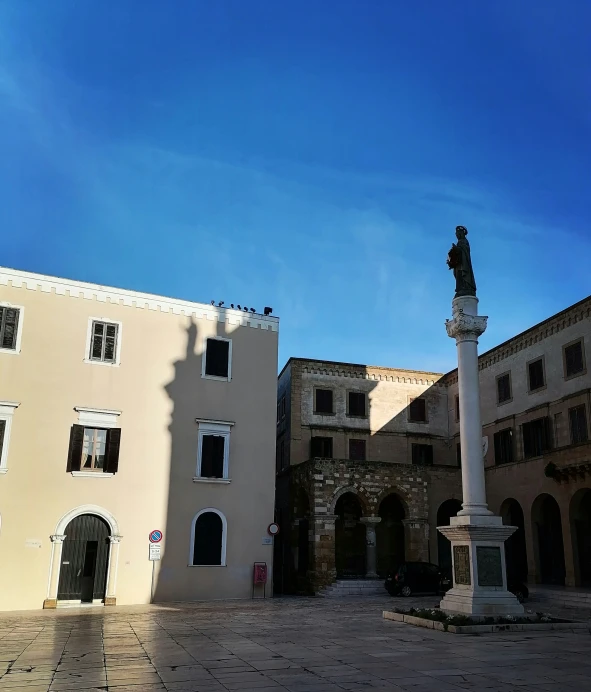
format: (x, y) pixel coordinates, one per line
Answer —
(289, 644)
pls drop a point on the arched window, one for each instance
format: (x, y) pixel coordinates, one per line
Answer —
(208, 539)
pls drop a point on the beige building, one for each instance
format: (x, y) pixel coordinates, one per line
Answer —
(123, 413)
(368, 460)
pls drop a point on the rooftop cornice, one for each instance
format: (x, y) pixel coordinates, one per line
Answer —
(119, 296)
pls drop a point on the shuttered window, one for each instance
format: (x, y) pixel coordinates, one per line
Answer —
(357, 404)
(8, 327)
(212, 456)
(422, 455)
(94, 449)
(357, 450)
(536, 375)
(504, 388)
(578, 424)
(321, 447)
(574, 363)
(323, 401)
(417, 411)
(103, 342)
(504, 446)
(536, 437)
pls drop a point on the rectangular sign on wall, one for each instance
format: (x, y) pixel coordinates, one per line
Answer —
(155, 551)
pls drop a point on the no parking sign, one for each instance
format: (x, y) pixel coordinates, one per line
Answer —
(155, 536)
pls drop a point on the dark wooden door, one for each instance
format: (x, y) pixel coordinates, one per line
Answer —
(83, 572)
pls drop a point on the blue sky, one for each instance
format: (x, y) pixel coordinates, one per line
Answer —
(311, 156)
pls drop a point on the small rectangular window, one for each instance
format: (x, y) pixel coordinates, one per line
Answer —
(459, 454)
(217, 358)
(417, 411)
(94, 449)
(536, 374)
(422, 455)
(457, 401)
(8, 327)
(503, 440)
(578, 424)
(357, 404)
(212, 456)
(103, 342)
(504, 388)
(536, 437)
(323, 401)
(357, 450)
(574, 361)
(321, 447)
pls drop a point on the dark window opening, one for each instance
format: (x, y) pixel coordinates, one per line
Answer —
(212, 456)
(207, 547)
(103, 345)
(503, 446)
(578, 424)
(573, 359)
(459, 454)
(457, 407)
(323, 401)
(2, 433)
(536, 437)
(321, 447)
(536, 375)
(357, 450)
(357, 404)
(418, 411)
(504, 388)
(8, 327)
(217, 358)
(422, 455)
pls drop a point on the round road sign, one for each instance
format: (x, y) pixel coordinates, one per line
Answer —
(155, 536)
(273, 529)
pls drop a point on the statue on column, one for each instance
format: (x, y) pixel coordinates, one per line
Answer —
(459, 260)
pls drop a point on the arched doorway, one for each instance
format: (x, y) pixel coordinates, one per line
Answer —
(550, 549)
(580, 517)
(515, 549)
(84, 560)
(390, 535)
(349, 537)
(446, 511)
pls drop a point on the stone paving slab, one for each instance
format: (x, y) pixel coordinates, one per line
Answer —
(287, 645)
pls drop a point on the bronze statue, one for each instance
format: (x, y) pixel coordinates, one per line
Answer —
(458, 259)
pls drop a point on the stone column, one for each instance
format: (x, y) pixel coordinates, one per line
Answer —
(371, 560)
(477, 536)
(57, 544)
(322, 559)
(110, 599)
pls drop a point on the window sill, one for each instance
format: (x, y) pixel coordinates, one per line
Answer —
(216, 377)
(576, 374)
(91, 474)
(207, 566)
(199, 479)
(419, 422)
(3, 470)
(506, 401)
(11, 351)
(353, 415)
(324, 413)
(100, 362)
(538, 389)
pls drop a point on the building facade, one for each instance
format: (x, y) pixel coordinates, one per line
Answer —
(369, 461)
(122, 414)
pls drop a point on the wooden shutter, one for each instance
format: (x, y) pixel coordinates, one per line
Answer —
(112, 456)
(75, 449)
(8, 327)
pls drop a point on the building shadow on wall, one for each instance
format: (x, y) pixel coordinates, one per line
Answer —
(173, 580)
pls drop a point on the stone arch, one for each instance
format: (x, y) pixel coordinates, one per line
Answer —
(391, 533)
(402, 496)
(88, 509)
(361, 495)
(515, 546)
(350, 536)
(580, 525)
(548, 543)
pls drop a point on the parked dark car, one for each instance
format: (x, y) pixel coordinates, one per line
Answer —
(417, 577)
(518, 589)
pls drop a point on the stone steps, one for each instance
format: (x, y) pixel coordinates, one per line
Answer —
(354, 587)
(564, 598)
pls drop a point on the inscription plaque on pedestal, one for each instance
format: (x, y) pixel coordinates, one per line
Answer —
(490, 568)
(462, 565)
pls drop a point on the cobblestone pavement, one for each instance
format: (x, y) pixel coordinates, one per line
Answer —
(291, 644)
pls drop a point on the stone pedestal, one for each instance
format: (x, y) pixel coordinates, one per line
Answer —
(371, 560)
(476, 535)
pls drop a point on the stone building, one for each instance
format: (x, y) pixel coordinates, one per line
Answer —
(122, 413)
(369, 461)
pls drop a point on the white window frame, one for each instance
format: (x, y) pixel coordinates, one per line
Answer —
(204, 358)
(213, 427)
(108, 320)
(7, 409)
(224, 537)
(96, 418)
(19, 329)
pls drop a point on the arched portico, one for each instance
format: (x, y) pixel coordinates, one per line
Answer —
(548, 542)
(580, 525)
(57, 541)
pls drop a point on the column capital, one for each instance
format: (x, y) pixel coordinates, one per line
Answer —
(465, 327)
(58, 538)
(115, 539)
(370, 520)
(325, 517)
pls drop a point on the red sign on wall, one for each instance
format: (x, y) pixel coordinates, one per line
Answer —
(260, 573)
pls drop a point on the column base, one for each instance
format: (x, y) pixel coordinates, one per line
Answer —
(372, 575)
(110, 601)
(50, 603)
(478, 567)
